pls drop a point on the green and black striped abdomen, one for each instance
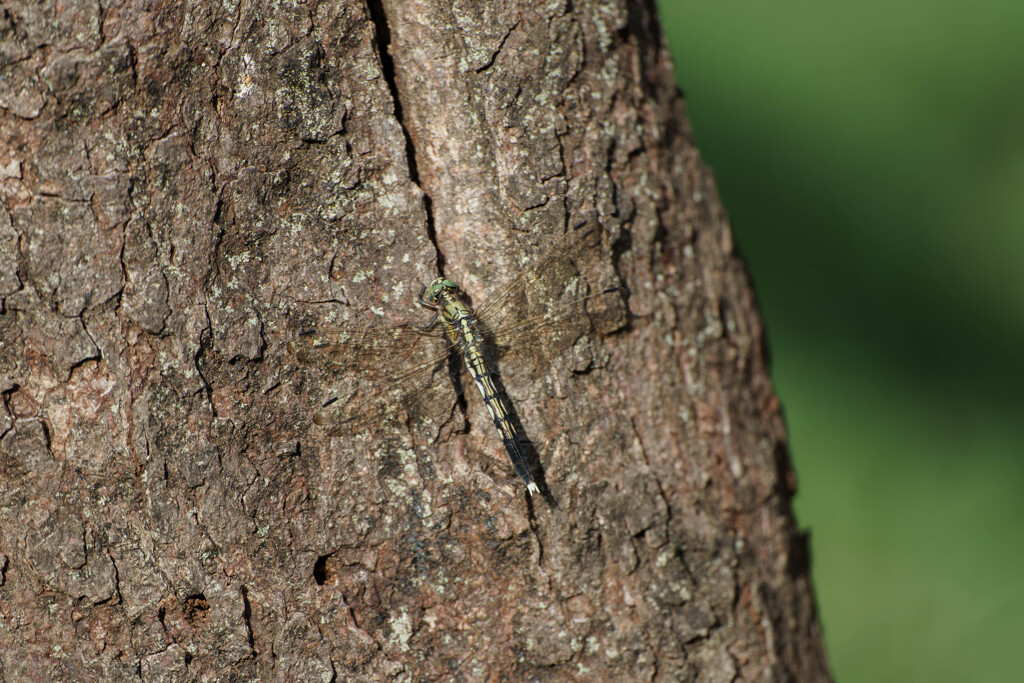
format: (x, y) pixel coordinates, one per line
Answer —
(460, 325)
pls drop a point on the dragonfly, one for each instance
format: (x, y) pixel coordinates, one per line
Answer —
(396, 368)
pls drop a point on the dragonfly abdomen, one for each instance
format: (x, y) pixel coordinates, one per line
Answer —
(461, 329)
(500, 416)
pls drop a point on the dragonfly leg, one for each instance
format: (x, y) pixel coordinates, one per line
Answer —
(422, 302)
(426, 304)
(430, 325)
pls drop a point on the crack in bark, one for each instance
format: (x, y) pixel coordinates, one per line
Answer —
(247, 620)
(98, 356)
(656, 477)
(387, 65)
(5, 402)
(497, 50)
(204, 346)
(115, 594)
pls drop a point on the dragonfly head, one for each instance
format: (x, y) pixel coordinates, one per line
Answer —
(438, 286)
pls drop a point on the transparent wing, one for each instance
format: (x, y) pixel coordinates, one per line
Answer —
(377, 373)
(548, 306)
(603, 310)
(527, 294)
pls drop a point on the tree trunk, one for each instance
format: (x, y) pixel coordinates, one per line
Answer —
(187, 189)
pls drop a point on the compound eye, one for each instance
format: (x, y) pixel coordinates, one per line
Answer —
(434, 291)
(450, 283)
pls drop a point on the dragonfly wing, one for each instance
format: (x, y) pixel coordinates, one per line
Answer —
(379, 374)
(603, 311)
(544, 281)
(548, 306)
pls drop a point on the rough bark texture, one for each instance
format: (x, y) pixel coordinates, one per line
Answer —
(186, 188)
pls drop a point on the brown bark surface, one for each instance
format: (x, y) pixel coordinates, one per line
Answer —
(189, 187)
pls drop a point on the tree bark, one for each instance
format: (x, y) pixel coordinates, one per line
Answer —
(187, 188)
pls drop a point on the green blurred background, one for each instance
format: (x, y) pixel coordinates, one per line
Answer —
(871, 157)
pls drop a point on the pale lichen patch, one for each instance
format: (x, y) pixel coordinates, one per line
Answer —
(401, 630)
